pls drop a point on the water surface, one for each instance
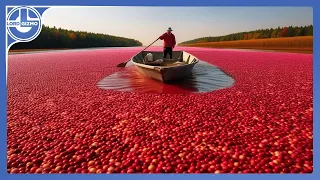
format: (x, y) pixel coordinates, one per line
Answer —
(204, 78)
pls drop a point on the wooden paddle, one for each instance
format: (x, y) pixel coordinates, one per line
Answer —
(123, 64)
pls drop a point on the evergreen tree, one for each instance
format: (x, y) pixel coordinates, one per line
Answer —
(62, 38)
(259, 34)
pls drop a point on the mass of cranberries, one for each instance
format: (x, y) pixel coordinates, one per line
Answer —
(59, 121)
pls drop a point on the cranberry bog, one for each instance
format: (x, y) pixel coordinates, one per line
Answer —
(60, 121)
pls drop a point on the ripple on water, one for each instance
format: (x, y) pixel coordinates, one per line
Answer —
(205, 77)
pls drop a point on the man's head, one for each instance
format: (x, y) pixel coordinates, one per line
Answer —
(169, 30)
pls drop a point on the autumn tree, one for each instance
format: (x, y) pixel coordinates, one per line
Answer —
(284, 32)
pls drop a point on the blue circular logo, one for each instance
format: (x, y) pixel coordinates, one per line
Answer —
(24, 23)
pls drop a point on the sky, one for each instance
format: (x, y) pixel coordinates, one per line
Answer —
(147, 23)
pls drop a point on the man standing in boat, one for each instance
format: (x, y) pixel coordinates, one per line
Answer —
(169, 41)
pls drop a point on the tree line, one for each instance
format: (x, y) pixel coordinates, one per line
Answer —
(63, 38)
(258, 34)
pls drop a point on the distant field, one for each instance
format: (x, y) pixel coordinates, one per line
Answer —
(302, 44)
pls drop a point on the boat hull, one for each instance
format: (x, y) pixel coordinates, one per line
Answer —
(166, 75)
(169, 73)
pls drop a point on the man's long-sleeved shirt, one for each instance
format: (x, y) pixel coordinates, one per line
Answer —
(169, 40)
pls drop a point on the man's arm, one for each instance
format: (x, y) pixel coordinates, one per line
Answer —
(174, 41)
(161, 37)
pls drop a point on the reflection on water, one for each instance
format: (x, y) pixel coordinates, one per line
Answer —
(204, 78)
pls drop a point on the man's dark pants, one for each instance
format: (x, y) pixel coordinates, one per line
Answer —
(167, 50)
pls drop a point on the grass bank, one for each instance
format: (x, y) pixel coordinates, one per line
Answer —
(302, 44)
